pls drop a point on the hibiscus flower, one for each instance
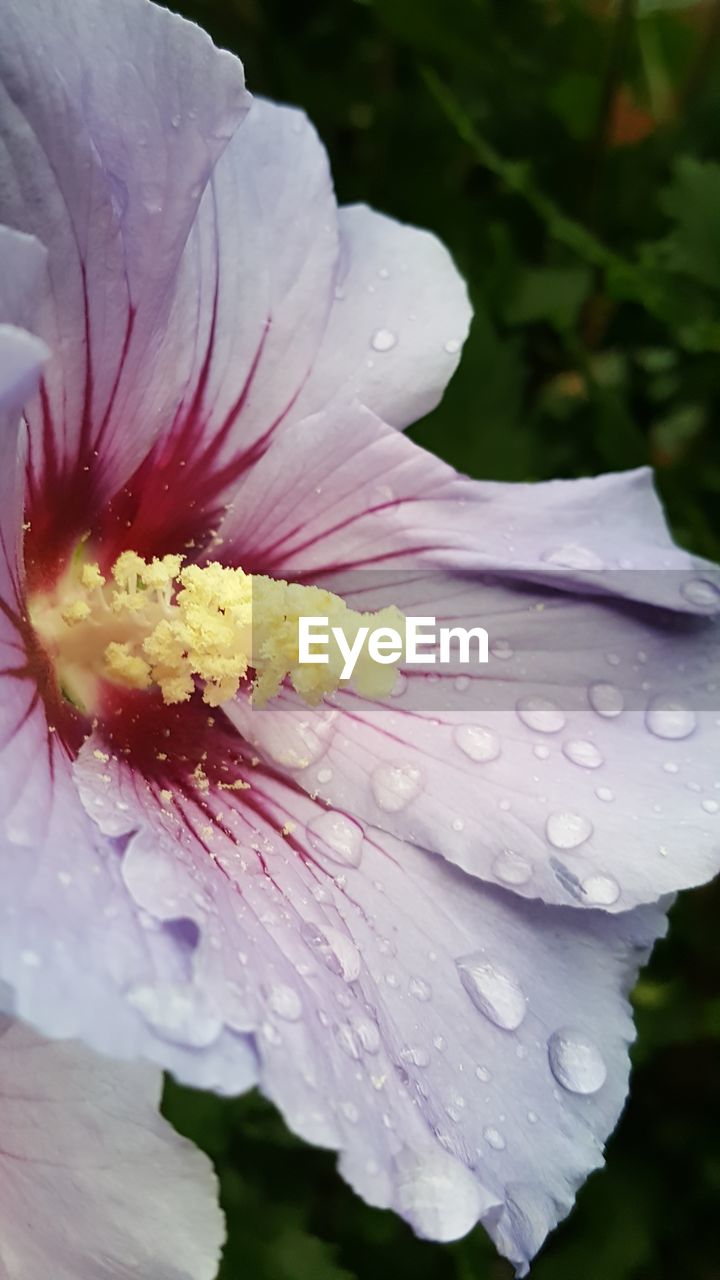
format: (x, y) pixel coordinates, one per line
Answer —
(412, 923)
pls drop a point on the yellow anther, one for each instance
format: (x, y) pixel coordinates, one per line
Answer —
(126, 667)
(75, 612)
(91, 577)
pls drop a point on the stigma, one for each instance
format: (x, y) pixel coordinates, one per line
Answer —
(187, 629)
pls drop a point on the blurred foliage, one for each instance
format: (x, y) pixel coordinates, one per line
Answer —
(567, 152)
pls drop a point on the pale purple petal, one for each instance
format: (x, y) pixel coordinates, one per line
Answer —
(399, 319)
(259, 333)
(108, 136)
(95, 1184)
(607, 797)
(464, 1050)
(73, 946)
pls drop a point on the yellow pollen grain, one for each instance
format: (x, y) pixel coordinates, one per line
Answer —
(102, 756)
(237, 785)
(166, 796)
(75, 612)
(91, 577)
(200, 778)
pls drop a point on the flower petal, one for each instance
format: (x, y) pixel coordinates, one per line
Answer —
(259, 330)
(109, 133)
(94, 1182)
(400, 316)
(608, 796)
(252, 299)
(367, 498)
(464, 1050)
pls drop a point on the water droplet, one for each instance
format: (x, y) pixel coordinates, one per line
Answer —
(325, 775)
(394, 786)
(438, 1195)
(511, 868)
(285, 1002)
(540, 751)
(710, 806)
(483, 1074)
(452, 346)
(334, 948)
(605, 699)
(601, 890)
(420, 989)
(532, 1117)
(477, 743)
(399, 686)
(492, 990)
(337, 837)
(605, 794)
(576, 1061)
(177, 1013)
(668, 717)
(418, 1057)
(566, 830)
(462, 683)
(494, 1138)
(573, 556)
(502, 650)
(581, 752)
(383, 340)
(293, 743)
(701, 592)
(350, 1112)
(540, 714)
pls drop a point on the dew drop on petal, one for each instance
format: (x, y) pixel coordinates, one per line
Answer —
(394, 786)
(285, 1002)
(601, 890)
(566, 830)
(335, 949)
(606, 699)
(492, 990)
(540, 714)
(701, 592)
(417, 1057)
(511, 868)
(583, 753)
(477, 743)
(452, 346)
(576, 1061)
(176, 1013)
(710, 806)
(338, 837)
(383, 340)
(573, 556)
(438, 1195)
(420, 989)
(502, 649)
(494, 1138)
(668, 717)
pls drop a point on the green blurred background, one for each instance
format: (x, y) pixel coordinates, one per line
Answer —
(565, 151)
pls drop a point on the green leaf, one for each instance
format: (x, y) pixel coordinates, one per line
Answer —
(552, 294)
(693, 202)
